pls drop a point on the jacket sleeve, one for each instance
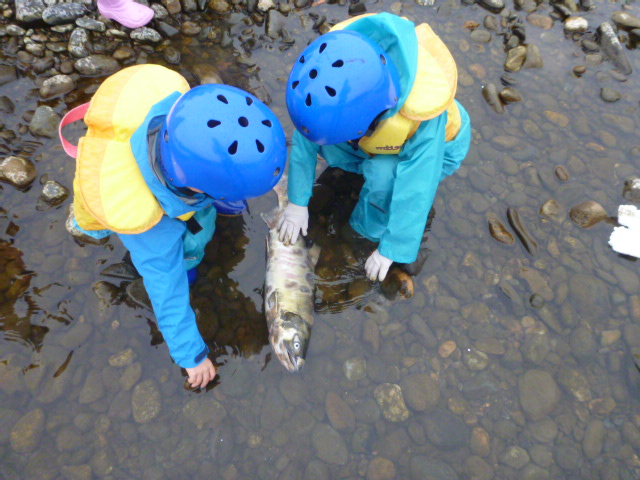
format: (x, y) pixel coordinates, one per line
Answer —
(302, 169)
(417, 178)
(159, 257)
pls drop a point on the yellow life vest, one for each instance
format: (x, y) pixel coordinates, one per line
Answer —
(109, 189)
(432, 94)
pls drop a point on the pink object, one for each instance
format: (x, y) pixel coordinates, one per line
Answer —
(74, 115)
(127, 12)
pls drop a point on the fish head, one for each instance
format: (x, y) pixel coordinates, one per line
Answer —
(289, 339)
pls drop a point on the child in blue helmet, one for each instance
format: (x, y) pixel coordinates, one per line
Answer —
(376, 96)
(158, 161)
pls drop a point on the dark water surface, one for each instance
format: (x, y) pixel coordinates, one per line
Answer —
(507, 363)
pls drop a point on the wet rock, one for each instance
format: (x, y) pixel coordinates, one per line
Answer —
(7, 75)
(329, 445)
(204, 412)
(425, 468)
(478, 468)
(57, 85)
(587, 214)
(480, 442)
(77, 472)
(146, 401)
(537, 345)
(515, 457)
(534, 472)
(27, 432)
(499, 231)
(89, 23)
(510, 95)
(567, 457)
(446, 430)
(631, 190)
(490, 94)
(575, 383)
(380, 468)
(93, 388)
(590, 296)
(527, 240)
(421, 392)
(625, 20)
(17, 171)
(515, 58)
(44, 122)
(481, 36)
(146, 35)
(130, 376)
(418, 326)
(6, 105)
(583, 343)
(593, 441)
(539, 394)
(79, 43)
(610, 95)
(541, 21)
(494, 6)
(534, 57)
(53, 194)
(576, 24)
(96, 65)
(355, 368)
(544, 431)
(271, 413)
(206, 73)
(613, 49)
(123, 359)
(275, 23)
(391, 401)
(340, 414)
(28, 11)
(63, 13)
(481, 385)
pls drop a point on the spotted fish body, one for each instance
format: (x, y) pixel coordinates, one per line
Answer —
(289, 291)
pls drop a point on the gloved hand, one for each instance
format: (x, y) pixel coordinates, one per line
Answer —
(377, 266)
(293, 220)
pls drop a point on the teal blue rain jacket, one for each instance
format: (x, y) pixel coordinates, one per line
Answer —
(399, 190)
(164, 253)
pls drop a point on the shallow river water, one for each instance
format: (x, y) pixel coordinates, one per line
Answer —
(512, 360)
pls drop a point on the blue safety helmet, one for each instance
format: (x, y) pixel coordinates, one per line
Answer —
(339, 86)
(223, 141)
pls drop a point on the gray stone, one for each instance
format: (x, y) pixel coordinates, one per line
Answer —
(204, 412)
(590, 296)
(93, 388)
(146, 402)
(146, 35)
(539, 394)
(329, 445)
(96, 65)
(63, 13)
(28, 11)
(89, 23)
(8, 74)
(425, 468)
(593, 441)
(80, 43)
(391, 401)
(18, 172)
(44, 122)
(27, 432)
(446, 430)
(421, 392)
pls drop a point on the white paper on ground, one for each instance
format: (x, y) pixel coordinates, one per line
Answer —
(626, 239)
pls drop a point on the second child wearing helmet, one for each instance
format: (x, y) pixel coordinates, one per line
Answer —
(376, 96)
(158, 162)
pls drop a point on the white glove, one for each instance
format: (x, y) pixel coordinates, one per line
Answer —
(377, 266)
(293, 220)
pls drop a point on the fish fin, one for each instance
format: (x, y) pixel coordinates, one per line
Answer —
(314, 254)
(271, 218)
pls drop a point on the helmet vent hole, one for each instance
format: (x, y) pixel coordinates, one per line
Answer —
(383, 59)
(308, 100)
(301, 59)
(313, 73)
(166, 137)
(243, 122)
(223, 99)
(233, 148)
(249, 100)
(213, 123)
(337, 64)
(322, 47)
(267, 123)
(260, 146)
(276, 172)
(330, 91)
(294, 84)
(305, 130)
